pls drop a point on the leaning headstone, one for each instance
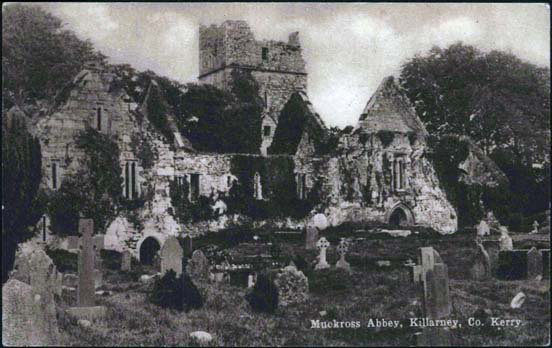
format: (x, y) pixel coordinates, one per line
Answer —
(342, 249)
(481, 266)
(292, 285)
(198, 266)
(483, 229)
(322, 245)
(534, 263)
(512, 265)
(311, 237)
(171, 256)
(23, 321)
(126, 261)
(85, 294)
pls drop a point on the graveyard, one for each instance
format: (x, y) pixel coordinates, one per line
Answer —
(379, 286)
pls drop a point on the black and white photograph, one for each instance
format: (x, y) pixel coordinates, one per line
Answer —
(275, 174)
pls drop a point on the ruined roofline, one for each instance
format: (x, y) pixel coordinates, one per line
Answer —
(250, 68)
(293, 37)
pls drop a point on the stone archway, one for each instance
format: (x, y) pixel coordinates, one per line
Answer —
(149, 247)
(400, 215)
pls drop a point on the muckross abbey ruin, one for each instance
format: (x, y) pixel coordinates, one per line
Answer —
(377, 172)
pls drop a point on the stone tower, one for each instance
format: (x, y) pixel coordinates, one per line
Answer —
(278, 67)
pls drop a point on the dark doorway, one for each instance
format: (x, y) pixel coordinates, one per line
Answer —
(148, 249)
(398, 218)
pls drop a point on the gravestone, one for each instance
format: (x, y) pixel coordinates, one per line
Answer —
(545, 263)
(535, 227)
(24, 320)
(481, 266)
(171, 256)
(85, 293)
(436, 297)
(534, 263)
(98, 278)
(99, 241)
(322, 245)
(512, 264)
(342, 249)
(505, 241)
(198, 266)
(483, 229)
(126, 261)
(251, 280)
(311, 238)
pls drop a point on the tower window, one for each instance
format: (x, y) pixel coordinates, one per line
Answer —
(266, 131)
(302, 186)
(265, 53)
(54, 175)
(130, 180)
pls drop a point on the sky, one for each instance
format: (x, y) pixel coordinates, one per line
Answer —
(348, 47)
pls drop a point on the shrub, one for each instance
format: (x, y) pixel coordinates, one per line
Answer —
(111, 259)
(264, 297)
(177, 293)
(64, 260)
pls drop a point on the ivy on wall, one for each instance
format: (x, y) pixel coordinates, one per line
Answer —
(186, 211)
(93, 191)
(386, 137)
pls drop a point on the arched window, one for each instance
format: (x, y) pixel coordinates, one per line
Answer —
(130, 191)
(257, 189)
(302, 186)
(399, 174)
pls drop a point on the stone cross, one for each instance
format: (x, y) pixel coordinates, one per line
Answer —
(342, 249)
(322, 245)
(171, 256)
(481, 267)
(535, 227)
(86, 291)
(126, 261)
(534, 263)
(311, 237)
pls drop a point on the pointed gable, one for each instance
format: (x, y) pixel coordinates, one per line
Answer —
(390, 110)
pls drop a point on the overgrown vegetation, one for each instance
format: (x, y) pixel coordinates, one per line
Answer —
(64, 260)
(386, 137)
(185, 210)
(95, 189)
(174, 292)
(22, 202)
(264, 296)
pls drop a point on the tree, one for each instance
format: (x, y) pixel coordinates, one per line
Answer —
(21, 175)
(38, 55)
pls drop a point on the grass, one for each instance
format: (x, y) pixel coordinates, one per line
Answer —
(369, 292)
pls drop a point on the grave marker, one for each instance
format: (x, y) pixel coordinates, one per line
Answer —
(342, 249)
(322, 245)
(481, 267)
(534, 263)
(126, 261)
(311, 238)
(86, 291)
(171, 256)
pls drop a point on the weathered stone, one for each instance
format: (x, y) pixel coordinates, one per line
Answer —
(534, 263)
(322, 245)
(342, 249)
(483, 229)
(198, 265)
(28, 319)
(70, 280)
(201, 337)
(99, 241)
(311, 237)
(91, 313)
(85, 294)
(437, 301)
(505, 240)
(126, 261)
(481, 266)
(98, 278)
(171, 256)
(293, 286)
(84, 323)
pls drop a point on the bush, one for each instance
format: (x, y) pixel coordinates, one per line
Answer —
(264, 297)
(64, 260)
(111, 259)
(177, 293)
(328, 280)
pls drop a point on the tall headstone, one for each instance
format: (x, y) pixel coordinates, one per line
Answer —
(171, 256)
(311, 237)
(126, 261)
(322, 245)
(505, 241)
(86, 291)
(342, 249)
(534, 263)
(198, 266)
(436, 297)
(481, 266)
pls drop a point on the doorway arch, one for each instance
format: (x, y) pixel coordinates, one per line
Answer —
(400, 215)
(149, 247)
